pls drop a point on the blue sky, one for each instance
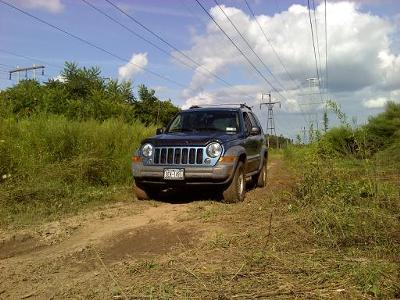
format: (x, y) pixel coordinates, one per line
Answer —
(363, 50)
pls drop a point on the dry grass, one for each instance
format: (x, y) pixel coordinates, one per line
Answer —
(262, 251)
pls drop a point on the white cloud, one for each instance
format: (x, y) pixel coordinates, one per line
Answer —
(291, 105)
(60, 78)
(359, 51)
(202, 98)
(136, 64)
(395, 95)
(53, 6)
(375, 102)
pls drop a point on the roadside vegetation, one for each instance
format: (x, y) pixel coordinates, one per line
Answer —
(348, 196)
(66, 144)
(52, 166)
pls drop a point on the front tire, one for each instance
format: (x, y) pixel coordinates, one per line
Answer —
(144, 193)
(236, 191)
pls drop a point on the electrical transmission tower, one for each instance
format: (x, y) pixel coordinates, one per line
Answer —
(270, 117)
(33, 69)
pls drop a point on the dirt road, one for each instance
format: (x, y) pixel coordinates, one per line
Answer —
(149, 249)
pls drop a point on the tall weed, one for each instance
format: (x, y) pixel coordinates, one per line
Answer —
(49, 162)
(343, 202)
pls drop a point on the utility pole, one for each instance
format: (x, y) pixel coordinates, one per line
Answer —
(33, 69)
(270, 117)
(312, 84)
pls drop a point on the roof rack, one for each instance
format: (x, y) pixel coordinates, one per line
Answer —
(241, 105)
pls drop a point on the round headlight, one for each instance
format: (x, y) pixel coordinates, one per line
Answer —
(147, 150)
(214, 149)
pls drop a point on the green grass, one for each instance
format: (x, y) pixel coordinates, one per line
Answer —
(348, 205)
(51, 166)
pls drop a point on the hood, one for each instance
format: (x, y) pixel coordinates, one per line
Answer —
(190, 139)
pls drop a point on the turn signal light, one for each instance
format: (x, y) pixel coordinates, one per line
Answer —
(136, 159)
(227, 159)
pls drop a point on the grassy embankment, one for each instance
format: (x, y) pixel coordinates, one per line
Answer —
(352, 206)
(348, 196)
(51, 166)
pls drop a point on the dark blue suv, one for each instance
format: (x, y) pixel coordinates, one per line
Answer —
(217, 146)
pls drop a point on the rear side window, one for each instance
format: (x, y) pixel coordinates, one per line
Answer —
(254, 121)
(247, 122)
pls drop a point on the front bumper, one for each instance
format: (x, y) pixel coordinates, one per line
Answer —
(150, 174)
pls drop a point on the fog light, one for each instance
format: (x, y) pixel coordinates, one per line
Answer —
(207, 161)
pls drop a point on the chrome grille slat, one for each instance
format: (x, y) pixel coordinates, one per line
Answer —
(185, 154)
(199, 156)
(192, 154)
(178, 156)
(157, 156)
(163, 158)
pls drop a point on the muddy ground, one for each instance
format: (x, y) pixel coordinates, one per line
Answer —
(181, 246)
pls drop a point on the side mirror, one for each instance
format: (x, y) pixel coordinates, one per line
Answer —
(160, 131)
(255, 131)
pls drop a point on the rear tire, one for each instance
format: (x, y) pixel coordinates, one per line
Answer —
(260, 179)
(145, 194)
(236, 191)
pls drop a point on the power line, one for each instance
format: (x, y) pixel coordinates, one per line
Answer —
(270, 43)
(151, 32)
(155, 45)
(316, 35)
(30, 58)
(326, 51)
(248, 45)
(276, 53)
(160, 38)
(315, 52)
(240, 51)
(166, 42)
(92, 45)
(313, 41)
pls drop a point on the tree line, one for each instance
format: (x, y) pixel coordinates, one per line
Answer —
(81, 93)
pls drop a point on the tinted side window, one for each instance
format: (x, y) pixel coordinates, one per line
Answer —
(247, 123)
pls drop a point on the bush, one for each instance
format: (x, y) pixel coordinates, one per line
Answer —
(338, 142)
(50, 161)
(381, 132)
(383, 128)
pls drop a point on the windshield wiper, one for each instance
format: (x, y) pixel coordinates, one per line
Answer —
(208, 129)
(181, 130)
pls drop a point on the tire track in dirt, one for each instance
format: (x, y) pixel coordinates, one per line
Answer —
(47, 270)
(95, 232)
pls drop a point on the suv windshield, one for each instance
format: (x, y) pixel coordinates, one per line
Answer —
(225, 121)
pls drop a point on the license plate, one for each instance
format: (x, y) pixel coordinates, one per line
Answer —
(174, 174)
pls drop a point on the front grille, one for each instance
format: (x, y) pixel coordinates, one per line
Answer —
(178, 155)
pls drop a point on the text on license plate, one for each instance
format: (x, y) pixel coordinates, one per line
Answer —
(174, 174)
